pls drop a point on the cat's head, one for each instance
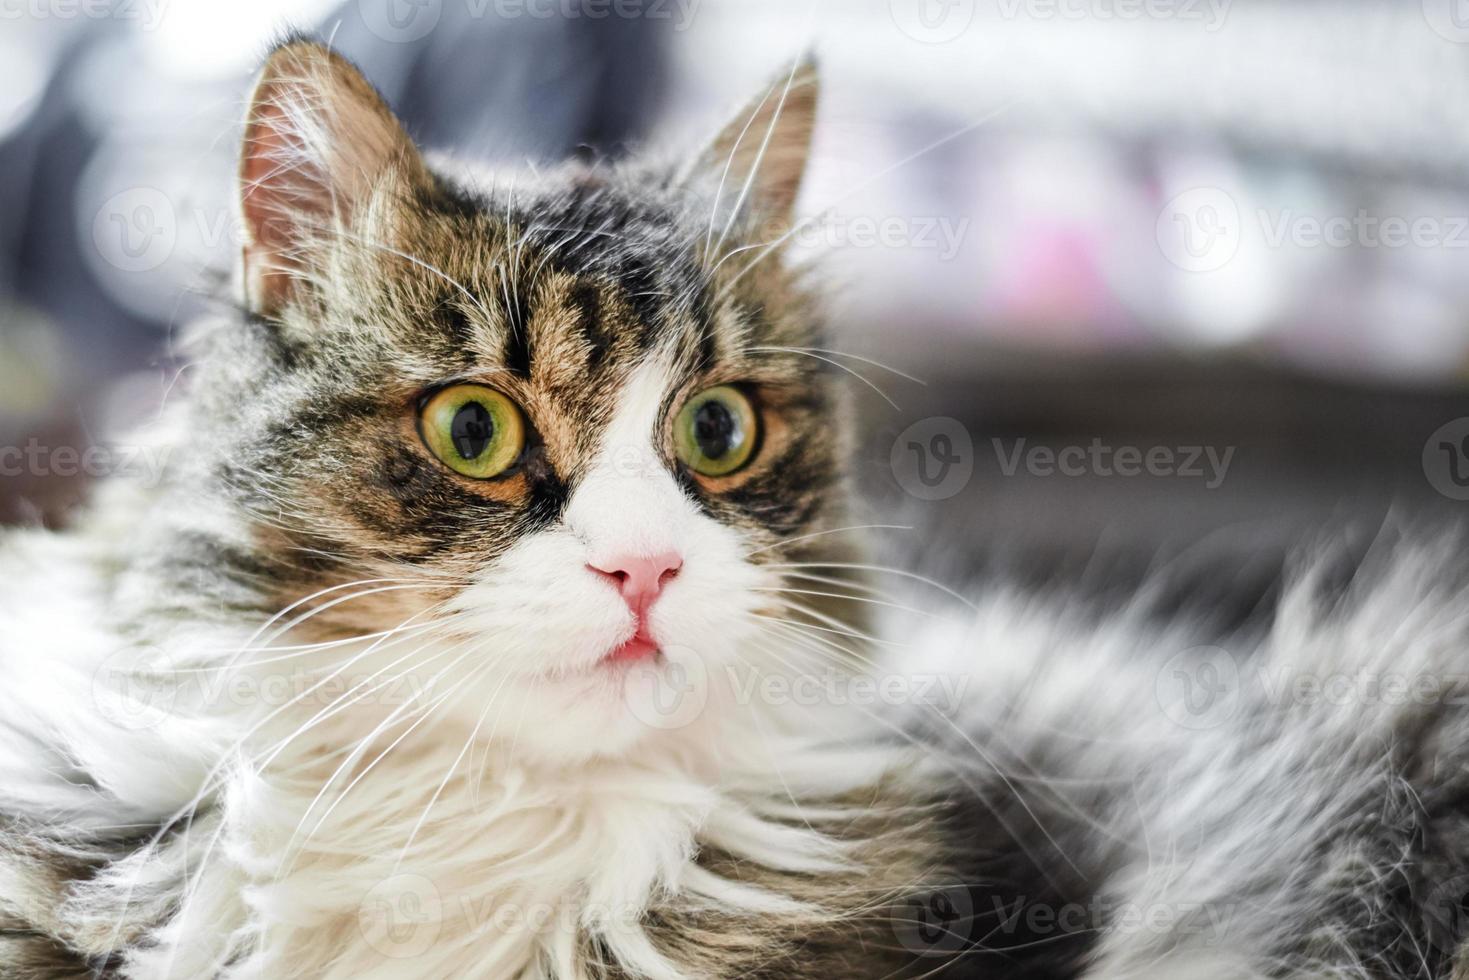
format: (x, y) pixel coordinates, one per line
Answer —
(578, 418)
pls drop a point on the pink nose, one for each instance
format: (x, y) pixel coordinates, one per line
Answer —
(639, 578)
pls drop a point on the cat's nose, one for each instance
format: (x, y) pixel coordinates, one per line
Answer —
(639, 577)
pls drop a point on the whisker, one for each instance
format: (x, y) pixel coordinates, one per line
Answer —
(468, 744)
(851, 583)
(834, 363)
(832, 621)
(425, 712)
(864, 360)
(900, 573)
(340, 600)
(344, 702)
(786, 542)
(823, 629)
(305, 599)
(848, 598)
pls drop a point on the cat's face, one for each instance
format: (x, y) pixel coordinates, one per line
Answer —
(573, 419)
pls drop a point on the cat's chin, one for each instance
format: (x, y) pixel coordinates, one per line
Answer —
(612, 708)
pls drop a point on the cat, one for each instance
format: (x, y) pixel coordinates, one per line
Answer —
(445, 647)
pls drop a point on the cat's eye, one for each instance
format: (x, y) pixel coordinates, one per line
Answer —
(716, 431)
(473, 430)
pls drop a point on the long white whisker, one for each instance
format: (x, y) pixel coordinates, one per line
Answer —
(425, 712)
(787, 542)
(848, 598)
(834, 363)
(468, 744)
(900, 573)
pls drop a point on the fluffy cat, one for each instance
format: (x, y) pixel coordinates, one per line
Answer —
(440, 652)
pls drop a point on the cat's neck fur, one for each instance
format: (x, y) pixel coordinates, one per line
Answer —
(458, 855)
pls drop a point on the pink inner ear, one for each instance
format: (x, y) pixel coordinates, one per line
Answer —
(276, 193)
(263, 177)
(319, 143)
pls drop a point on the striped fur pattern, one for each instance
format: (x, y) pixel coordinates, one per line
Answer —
(319, 707)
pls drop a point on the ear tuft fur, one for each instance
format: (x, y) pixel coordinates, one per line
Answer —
(319, 142)
(757, 161)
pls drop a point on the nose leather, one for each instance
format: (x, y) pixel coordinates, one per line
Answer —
(639, 578)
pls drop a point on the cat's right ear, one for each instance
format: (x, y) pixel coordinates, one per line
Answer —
(757, 162)
(320, 148)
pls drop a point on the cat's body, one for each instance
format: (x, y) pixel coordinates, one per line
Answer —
(319, 706)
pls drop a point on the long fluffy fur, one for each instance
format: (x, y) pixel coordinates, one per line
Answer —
(208, 772)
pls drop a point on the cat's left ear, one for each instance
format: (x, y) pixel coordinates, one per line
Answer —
(322, 156)
(756, 163)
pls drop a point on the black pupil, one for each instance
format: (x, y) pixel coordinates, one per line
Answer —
(472, 430)
(716, 429)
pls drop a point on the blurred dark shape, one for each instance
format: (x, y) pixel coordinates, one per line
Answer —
(41, 261)
(515, 89)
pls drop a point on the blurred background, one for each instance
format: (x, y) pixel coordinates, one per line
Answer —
(1168, 279)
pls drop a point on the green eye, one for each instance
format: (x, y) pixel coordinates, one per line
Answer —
(473, 430)
(716, 431)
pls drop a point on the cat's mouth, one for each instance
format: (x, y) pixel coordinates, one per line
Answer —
(639, 649)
